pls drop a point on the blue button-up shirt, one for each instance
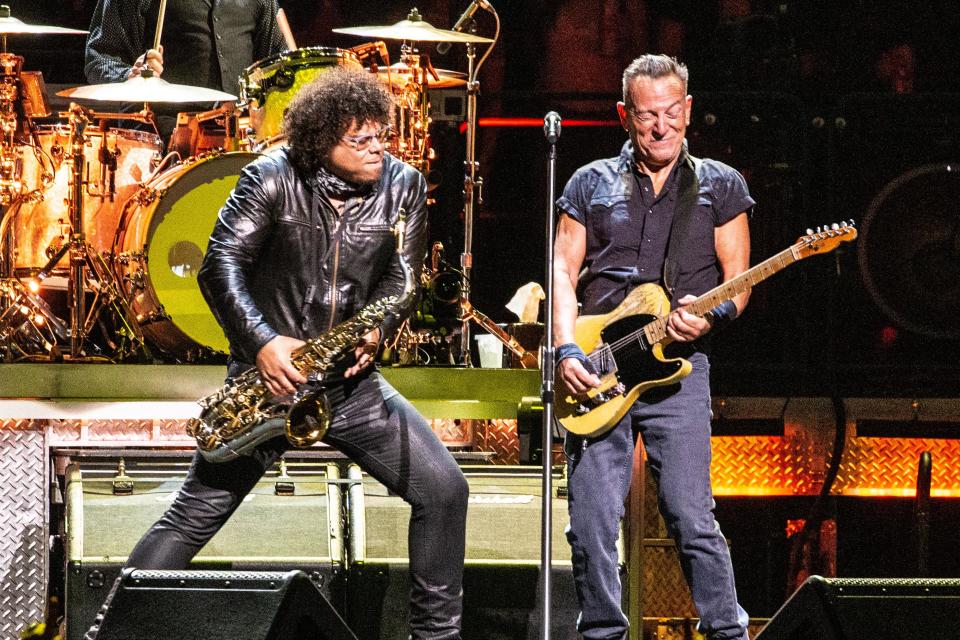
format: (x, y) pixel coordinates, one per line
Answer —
(628, 226)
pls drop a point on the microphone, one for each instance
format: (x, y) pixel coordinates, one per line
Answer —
(472, 8)
(551, 127)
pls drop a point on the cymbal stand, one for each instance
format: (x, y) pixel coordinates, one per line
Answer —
(87, 266)
(472, 182)
(10, 164)
(413, 100)
(26, 321)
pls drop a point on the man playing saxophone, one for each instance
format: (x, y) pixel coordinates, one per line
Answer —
(304, 242)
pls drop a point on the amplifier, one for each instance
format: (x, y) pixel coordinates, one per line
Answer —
(293, 519)
(503, 518)
(501, 577)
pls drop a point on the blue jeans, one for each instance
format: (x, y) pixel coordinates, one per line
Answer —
(382, 432)
(675, 425)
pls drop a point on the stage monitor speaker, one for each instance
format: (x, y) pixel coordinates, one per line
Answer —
(199, 605)
(868, 609)
(292, 519)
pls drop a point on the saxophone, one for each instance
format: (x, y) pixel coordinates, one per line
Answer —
(243, 413)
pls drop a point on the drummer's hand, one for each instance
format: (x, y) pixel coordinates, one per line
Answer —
(365, 352)
(276, 370)
(153, 59)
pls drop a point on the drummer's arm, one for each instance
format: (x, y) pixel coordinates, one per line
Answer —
(243, 226)
(115, 41)
(268, 39)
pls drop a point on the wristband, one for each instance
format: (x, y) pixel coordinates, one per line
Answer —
(571, 350)
(722, 314)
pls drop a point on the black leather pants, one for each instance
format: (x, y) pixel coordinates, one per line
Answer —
(382, 432)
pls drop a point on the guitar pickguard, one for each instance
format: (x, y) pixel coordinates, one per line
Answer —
(627, 366)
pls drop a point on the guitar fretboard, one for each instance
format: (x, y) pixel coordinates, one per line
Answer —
(656, 330)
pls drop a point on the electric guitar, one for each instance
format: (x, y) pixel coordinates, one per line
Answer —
(626, 345)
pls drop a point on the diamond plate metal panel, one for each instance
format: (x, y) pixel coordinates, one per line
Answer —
(118, 432)
(499, 437)
(665, 592)
(454, 432)
(23, 534)
(171, 430)
(888, 467)
(764, 465)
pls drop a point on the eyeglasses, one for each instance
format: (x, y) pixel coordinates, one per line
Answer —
(362, 143)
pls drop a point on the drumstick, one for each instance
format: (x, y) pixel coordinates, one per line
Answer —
(285, 30)
(160, 14)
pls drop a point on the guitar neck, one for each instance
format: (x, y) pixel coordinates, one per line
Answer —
(656, 331)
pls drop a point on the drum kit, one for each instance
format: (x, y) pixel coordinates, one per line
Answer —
(120, 223)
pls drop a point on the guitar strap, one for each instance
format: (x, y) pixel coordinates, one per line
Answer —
(682, 220)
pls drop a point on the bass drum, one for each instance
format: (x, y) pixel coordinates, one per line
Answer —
(160, 245)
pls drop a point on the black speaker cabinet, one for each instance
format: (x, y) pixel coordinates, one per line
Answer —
(289, 521)
(868, 609)
(501, 576)
(198, 605)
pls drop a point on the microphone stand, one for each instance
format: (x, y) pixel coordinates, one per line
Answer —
(551, 128)
(472, 183)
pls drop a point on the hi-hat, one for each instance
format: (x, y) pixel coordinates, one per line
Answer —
(11, 26)
(413, 29)
(145, 89)
(444, 79)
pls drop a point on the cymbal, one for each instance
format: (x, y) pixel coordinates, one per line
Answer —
(11, 26)
(412, 30)
(141, 89)
(401, 72)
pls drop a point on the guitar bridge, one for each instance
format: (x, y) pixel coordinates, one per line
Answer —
(605, 366)
(602, 360)
(609, 394)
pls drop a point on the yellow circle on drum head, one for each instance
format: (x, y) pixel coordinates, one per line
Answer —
(179, 234)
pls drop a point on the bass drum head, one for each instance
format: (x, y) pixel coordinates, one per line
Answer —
(177, 236)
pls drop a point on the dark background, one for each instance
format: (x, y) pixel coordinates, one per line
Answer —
(825, 107)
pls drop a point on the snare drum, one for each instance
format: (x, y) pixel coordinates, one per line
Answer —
(160, 245)
(39, 221)
(214, 130)
(271, 83)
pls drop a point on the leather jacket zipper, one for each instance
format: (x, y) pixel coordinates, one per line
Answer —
(333, 274)
(333, 279)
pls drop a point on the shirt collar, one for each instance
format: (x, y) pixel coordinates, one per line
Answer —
(626, 164)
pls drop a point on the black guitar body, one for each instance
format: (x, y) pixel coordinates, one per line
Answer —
(637, 362)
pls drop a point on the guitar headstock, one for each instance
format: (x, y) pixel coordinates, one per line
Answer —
(825, 239)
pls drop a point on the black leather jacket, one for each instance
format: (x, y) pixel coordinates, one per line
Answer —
(281, 261)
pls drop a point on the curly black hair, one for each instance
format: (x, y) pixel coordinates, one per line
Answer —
(323, 111)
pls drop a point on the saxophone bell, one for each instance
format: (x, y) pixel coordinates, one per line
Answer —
(308, 419)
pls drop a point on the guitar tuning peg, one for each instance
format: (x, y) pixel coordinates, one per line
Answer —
(835, 226)
(809, 232)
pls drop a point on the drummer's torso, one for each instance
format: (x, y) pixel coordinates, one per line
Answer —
(209, 42)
